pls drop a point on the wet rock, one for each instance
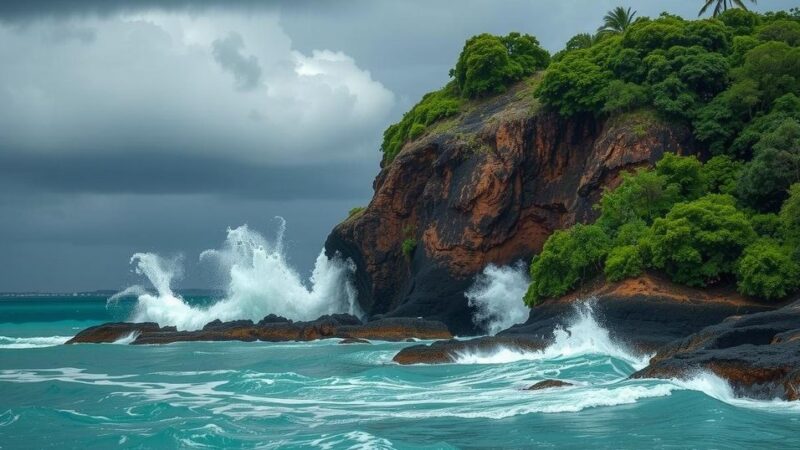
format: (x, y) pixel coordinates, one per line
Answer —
(273, 329)
(398, 329)
(110, 332)
(548, 384)
(643, 313)
(443, 352)
(354, 341)
(758, 354)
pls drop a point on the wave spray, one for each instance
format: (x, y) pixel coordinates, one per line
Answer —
(260, 282)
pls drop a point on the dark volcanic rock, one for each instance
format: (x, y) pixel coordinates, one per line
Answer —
(488, 189)
(442, 352)
(758, 354)
(643, 313)
(548, 384)
(272, 329)
(398, 329)
(110, 332)
(354, 341)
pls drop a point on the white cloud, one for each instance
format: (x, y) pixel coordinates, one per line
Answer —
(152, 81)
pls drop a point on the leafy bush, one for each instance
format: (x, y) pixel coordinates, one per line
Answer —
(775, 167)
(720, 174)
(790, 219)
(624, 262)
(354, 211)
(574, 85)
(488, 63)
(767, 270)
(698, 242)
(434, 106)
(568, 257)
(409, 245)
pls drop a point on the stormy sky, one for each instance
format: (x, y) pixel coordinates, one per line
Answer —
(152, 125)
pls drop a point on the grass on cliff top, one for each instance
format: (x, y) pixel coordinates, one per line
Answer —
(444, 110)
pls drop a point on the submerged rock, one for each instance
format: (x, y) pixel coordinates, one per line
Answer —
(272, 328)
(548, 384)
(442, 352)
(354, 341)
(758, 354)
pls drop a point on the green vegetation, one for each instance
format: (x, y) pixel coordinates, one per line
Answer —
(735, 81)
(721, 6)
(434, 106)
(487, 65)
(355, 211)
(617, 20)
(409, 245)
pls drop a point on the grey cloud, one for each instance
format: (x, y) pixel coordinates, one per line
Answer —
(228, 52)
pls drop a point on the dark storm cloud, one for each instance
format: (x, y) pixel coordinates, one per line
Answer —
(164, 173)
(152, 125)
(228, 52)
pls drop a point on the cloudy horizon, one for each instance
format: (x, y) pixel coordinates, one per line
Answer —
(154, 126)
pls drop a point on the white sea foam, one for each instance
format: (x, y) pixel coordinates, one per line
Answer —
(125, 340)
(583, 336)
(718, 388)
(260, 282)
(31, 342)
(497, 295)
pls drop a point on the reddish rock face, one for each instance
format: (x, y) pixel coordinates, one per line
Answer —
(490, 189)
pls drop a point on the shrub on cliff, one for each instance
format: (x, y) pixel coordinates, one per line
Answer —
(698, 242)
(434, 106)
(488, 63)
(767, 270)
(624, 262)
(568, 258)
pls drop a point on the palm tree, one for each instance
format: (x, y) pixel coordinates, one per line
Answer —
(722, 6)
(617, 20)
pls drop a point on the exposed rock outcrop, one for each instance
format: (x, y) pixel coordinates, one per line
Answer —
(758, 354)
(548, 384)
(271, 329)
(642, 314)
(487, 187)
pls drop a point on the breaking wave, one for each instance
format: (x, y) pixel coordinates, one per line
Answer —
(583, 336)
(32, 342)
(261, 282)
(497, 295)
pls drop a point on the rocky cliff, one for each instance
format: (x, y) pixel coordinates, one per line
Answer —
(488, 186)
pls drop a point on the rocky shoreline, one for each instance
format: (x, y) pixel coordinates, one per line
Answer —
(752, 345)
(271, 329)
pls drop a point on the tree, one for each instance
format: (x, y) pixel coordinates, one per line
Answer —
(722, 5)
(767, 270)
(775, 166)
(574, 85)
(623, 262)
(617, 20)
(567, 258)
(488, 63)
(790, 219)
(698, 242)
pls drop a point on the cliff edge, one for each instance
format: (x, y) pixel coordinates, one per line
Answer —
(487, 186)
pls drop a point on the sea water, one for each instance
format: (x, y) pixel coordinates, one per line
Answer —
(326, 395)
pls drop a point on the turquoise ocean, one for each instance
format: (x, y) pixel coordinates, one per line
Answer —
(330, 396)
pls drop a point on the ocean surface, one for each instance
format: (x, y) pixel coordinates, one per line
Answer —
(330, 396)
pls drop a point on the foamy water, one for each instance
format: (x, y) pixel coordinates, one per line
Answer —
(325, 395)
(260, 282)
(497, 295)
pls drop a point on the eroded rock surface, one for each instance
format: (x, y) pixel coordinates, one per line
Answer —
(758, 354)
(272, 328)
(487, 187)
(548, 384)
